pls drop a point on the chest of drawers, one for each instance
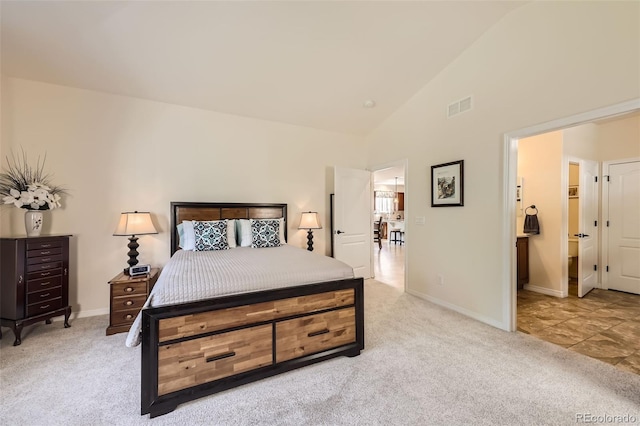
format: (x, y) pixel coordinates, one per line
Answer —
(34, 281)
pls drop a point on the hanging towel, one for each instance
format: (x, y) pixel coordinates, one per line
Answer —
(531, 224)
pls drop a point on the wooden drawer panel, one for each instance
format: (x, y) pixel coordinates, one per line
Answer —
(42, 307)
(192, 325)
(44, 295)
(44, 274)
(43, 252)
(127, 289)
(43, 284)
(205, 359)
(44, 259)
(43, 266)
(44, 245)
(121, 303)
(315, 333)
(125, 316)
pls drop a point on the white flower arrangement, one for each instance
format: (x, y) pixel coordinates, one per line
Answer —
(28, 188)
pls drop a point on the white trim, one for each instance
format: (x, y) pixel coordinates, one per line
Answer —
(544, 290)
(510, 175)
(407, 225)
(604, 275)
(472, 314)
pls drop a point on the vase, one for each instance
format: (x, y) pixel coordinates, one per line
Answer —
(33, 222)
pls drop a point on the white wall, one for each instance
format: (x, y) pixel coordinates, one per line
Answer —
(118, 154)
(619, 138)
(543, 61)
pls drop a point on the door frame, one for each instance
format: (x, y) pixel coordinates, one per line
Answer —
(604, 278)
(509, 182)
(407, 225)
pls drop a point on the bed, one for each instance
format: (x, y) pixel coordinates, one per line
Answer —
(267, 323)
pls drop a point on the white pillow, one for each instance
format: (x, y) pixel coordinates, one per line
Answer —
(243, 231)
(188, 238)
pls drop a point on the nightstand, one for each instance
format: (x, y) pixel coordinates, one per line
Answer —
(128, 295)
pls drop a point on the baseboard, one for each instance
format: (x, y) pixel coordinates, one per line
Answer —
(89, 313)
(476, 316)
(544, 290)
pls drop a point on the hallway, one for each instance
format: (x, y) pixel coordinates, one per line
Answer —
(604, 324)
(388, 264)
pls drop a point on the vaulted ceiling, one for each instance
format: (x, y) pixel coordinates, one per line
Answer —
(305, 63)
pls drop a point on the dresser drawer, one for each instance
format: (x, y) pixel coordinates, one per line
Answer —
(43, 284)
(43, 307)
(44, 274)
(43, 252)
(315, 333)
(44, 295)
(124, 316)
(194, 362)
(44, 259)
(126, 289)
(122, 303)
(43, 266)
(44, 245)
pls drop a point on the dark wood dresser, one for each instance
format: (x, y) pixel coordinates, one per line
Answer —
(34, 281)
(522, 247)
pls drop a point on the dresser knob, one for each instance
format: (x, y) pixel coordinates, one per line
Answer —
(128, 303)
(128, 289)
(129, 316)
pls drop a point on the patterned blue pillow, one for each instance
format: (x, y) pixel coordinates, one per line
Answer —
(210, 235)
(265, 233)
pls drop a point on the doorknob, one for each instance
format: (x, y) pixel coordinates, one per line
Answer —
(339, 232)
(580, 235)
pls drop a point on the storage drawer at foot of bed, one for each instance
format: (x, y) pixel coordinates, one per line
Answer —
(307, 335)
(205, 359)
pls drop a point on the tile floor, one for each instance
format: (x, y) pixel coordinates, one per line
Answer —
(605, 324)
(388, 264)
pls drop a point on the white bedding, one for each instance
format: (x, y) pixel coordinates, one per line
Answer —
(196, 275)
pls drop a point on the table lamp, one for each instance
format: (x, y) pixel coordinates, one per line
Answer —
(309, 221)
(132, 224)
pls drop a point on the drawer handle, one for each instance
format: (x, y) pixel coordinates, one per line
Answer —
(128, 289)
(128, 316)
(128, 302)
(317, 333)
(47, 283)
(45, 245)
(44, 307)
(45, 259)
(44, 253)
(44, 274)
(221, 356)
(45, 295)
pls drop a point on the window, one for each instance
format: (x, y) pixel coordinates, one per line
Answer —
(384, 201)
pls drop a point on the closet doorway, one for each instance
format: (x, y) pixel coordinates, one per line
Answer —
(390, 207)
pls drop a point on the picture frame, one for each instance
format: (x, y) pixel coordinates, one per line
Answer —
(573, 191)
(447, 184)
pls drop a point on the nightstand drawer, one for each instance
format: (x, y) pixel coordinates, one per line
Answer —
(126, 289)
(314, 333)
(43, 284)
(43, 307)
(125, 316)
(123, 303)
(44, 295)
(205, 359)
(43, 252)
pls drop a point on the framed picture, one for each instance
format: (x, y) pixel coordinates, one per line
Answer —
(447, 184)
(573, 191)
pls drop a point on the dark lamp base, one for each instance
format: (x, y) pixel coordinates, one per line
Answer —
(309, 240)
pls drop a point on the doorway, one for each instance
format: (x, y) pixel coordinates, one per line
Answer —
(390, 211)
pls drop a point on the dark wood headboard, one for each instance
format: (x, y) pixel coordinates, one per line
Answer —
(215, 211)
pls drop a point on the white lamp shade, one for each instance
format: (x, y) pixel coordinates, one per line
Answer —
(309, 220)
(135, 223)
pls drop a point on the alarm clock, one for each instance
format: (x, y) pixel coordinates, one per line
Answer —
(139, 270)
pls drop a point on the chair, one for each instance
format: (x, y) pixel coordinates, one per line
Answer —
(377, 232)
(396, 232)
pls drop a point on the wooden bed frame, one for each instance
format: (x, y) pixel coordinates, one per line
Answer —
(194, 349)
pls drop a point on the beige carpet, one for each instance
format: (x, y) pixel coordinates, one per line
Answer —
(422, 365)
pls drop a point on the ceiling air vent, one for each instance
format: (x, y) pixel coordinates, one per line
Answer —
(460, 106)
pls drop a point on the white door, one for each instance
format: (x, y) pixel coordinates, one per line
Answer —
(588, 236)
(624, 227)
(353, 232)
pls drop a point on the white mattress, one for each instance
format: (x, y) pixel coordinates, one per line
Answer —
(196, 275)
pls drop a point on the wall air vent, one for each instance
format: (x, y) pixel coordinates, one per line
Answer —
(460, 106)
